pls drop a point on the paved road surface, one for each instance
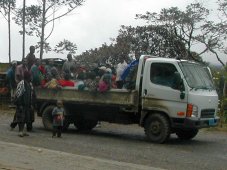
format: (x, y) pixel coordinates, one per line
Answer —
(126, 145)
(21, 157)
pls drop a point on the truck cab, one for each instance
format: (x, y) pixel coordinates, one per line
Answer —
(176, 96)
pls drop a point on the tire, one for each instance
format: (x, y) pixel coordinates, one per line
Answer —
(47, 117)
(85, 124)
(157, 128)
(186, 134)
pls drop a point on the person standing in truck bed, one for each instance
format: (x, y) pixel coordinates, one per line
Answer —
(68, 65)
(31, 57)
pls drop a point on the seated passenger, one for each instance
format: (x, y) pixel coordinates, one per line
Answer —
(91, 83)
(66, 82)
(36, 74)
(104, 84)
(79, 84)
(53, 81)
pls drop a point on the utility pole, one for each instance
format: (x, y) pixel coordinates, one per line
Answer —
(43, 26)
(23, 46)
(9, 29)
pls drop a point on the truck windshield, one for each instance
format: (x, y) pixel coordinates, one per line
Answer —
(197, 76)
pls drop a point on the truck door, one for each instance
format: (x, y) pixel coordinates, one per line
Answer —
(158, 92)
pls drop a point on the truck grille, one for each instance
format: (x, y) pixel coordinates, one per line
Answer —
(207, 113)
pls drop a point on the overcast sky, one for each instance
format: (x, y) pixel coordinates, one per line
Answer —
(90, 25)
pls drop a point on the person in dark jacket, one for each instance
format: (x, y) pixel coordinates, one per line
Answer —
(23, 101)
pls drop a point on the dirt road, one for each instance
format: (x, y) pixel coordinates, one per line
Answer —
(127, 145)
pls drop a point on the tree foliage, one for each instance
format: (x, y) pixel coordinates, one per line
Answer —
(134, 41)
(6, 8)
(38, 17)
(65, 45)
(32, 20)
(185, 25)
(5, 5)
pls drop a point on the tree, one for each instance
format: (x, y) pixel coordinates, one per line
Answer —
(23, 31)
(185, 25)
(153, 40)
(6, 7)
(38, 17)
(65, 45)
(215, 33)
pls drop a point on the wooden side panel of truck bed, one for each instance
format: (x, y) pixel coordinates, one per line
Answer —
(113, 97)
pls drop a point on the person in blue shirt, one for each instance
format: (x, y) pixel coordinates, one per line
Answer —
(10, 76)
(129, 75)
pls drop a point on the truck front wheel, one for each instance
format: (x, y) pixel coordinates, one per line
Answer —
(186, 134)
(157, 128)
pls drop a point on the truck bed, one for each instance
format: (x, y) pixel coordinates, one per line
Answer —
(121, 97)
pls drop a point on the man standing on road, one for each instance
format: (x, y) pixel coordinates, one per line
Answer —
(23, 98)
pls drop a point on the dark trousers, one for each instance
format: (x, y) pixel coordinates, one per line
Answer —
(14, 123)
(57, 130)
(29, 126)
(21, 127)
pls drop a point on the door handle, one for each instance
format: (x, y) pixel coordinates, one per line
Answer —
(145, 92)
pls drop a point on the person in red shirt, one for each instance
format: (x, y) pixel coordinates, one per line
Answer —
(66, 82)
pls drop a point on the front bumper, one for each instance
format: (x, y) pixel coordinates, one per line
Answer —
(194, 123)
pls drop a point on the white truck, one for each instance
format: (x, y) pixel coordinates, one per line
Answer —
(170, 96)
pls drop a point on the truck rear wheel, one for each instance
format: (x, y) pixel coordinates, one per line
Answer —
(48, 119)
(186, 134)
(157, 128)
(85, 124)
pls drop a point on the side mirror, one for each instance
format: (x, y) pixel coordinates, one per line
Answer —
(178, 84)
(177, 81)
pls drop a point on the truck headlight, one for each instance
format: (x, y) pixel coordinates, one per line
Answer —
(192, 110)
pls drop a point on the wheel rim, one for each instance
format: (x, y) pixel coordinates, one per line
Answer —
(156, 128)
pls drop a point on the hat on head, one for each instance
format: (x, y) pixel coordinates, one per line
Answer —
(102, 68)
(14, 62)
(109, 70)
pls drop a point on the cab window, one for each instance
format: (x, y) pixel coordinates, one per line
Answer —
(162, 74)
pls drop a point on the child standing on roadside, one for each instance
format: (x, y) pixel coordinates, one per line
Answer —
(58, 117)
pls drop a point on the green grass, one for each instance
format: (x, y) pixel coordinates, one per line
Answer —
(222, 127)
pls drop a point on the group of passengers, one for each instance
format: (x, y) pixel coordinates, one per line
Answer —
(92, 78)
